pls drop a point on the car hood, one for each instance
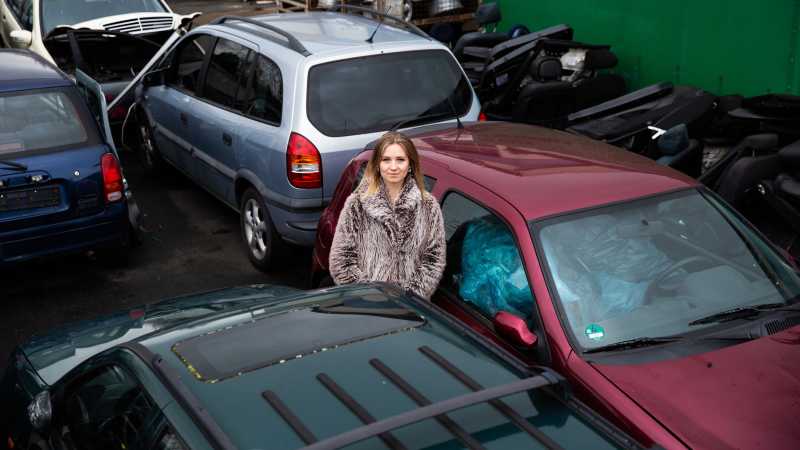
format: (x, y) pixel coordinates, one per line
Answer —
(741, 396)
(52, 355)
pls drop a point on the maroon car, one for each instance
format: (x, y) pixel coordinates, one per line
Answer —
(665, 309)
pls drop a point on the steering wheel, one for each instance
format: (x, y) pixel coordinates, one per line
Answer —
(656, 284)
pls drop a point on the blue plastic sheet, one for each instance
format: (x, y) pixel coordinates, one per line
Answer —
(493, 277)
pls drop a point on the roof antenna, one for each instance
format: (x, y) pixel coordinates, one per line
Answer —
(380, 22)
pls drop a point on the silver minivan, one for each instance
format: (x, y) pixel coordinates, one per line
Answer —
(265, 112)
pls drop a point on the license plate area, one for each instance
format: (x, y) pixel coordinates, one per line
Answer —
(31, 198)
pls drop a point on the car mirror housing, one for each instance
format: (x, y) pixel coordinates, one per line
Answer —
(515, 329)
(21, 38)
(40, 410)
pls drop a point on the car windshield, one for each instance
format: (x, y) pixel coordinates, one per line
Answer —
(70, 12)
(37, 120)
(374, 93)
(649, 268)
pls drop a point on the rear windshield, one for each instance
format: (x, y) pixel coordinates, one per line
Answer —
(69, 12)
(42, 120)
(374, 93)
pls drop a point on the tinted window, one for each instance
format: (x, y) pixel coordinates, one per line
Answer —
(263, 97)
(25, 14)
(107, 409)
(484, 267)
(373, 93)
(224, 70)
(189, 62)
(36, 120)
(69, 12)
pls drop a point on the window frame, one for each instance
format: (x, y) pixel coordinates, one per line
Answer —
(541, 352)
(171, 78)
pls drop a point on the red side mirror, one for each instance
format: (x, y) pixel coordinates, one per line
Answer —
(515, 329)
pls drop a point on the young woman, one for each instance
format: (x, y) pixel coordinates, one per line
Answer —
(390, 229)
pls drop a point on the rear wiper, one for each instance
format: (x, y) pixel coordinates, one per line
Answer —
(13, 165)
(740, 312)
(405, 122)
(634, 343)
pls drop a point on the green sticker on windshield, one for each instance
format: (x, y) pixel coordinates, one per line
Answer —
(595, 332)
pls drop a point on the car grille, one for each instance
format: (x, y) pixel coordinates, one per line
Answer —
(29, 198)
(140, 24)
(780, 325)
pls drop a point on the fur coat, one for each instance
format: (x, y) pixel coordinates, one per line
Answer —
(404, 244)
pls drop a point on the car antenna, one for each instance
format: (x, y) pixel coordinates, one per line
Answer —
(380, 22)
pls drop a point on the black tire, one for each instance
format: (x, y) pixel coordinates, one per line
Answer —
(260, 240)
(149, 155)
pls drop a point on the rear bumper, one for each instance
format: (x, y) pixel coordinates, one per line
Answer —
(107, 229)
(296, 226)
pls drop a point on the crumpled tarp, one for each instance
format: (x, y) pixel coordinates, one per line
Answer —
(493, 277)
(601, 263)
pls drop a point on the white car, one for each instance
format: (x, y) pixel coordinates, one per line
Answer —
(27, 24)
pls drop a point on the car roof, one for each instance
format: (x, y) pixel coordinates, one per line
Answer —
(278, 373)
(329, 32)
(544, 172)
(23, 70)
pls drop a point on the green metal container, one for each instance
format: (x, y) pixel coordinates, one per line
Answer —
(723, 46)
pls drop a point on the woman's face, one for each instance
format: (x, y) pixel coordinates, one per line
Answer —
(394, 164)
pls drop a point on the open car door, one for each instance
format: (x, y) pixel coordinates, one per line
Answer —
(96, 101)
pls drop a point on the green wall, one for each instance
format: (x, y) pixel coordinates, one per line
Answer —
(726, 47)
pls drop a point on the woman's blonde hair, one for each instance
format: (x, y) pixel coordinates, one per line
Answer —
(372, 174)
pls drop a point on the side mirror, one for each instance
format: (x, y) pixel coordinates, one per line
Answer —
(156, 77)
(40, 410)
(515, 329)
(21, 38)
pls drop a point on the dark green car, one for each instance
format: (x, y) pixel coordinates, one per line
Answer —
(268, 367)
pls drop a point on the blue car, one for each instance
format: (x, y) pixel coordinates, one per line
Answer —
(61, 184)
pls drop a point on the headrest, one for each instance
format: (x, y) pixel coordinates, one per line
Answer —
(545, 69)
(600, 58)
(488, 13)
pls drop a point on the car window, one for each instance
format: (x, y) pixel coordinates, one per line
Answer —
(189, 62)
(168, 440)
(70, 12)
(106, 409)
(484, 267)
(263, 97)
(224, 71)
(374, 93)
(652, 267)
(43, 119)
(25, 14)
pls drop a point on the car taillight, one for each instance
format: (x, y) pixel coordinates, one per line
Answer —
(482, 117)
(112, 178)
(303, 163)
(118, 111)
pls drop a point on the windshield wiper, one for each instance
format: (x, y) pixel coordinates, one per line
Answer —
(405, 122)
(13, 165)
(634, 343)
(740, 312)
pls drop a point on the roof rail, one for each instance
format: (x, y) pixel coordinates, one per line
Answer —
(294, 44)
(414, 29)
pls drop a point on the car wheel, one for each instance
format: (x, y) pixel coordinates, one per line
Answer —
(258, 232)
(150, 156)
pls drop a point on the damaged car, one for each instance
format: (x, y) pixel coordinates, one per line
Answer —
(109, 40)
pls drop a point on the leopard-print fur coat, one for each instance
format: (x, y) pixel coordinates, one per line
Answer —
(404, 244)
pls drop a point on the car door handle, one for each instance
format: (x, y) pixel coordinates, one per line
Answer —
(184, 120)
(227, 139)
